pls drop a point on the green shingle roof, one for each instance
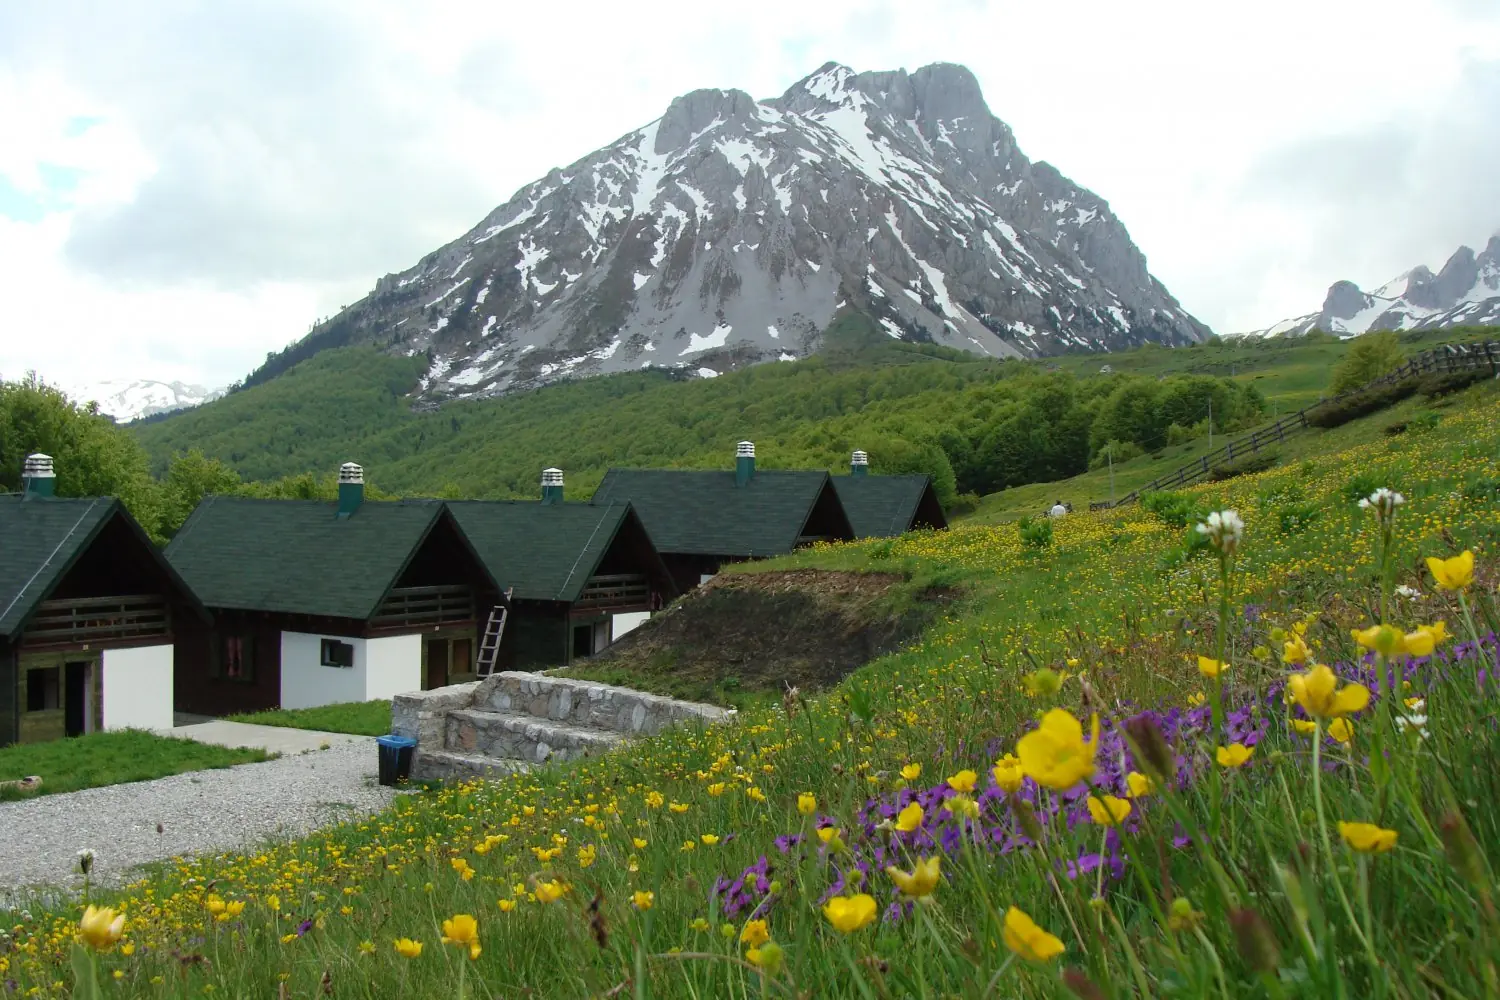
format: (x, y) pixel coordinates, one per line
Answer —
(39, 540)
(881, 506)
(546, 552)
(704, 512)
(294, 556)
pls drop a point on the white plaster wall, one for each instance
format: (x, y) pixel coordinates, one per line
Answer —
(137, 687)
(629, 622)
(393, 665)
(306, 683)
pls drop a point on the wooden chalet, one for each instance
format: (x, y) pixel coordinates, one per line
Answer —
(89, 611)
(885, 506)
(700, 520)
(580, 574)
(315, 602)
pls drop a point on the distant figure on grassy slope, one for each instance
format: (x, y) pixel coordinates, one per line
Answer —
(1058, 510)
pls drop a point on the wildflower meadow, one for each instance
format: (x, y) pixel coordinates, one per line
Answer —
(1235, 742)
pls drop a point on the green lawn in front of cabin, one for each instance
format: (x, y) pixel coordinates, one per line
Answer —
(363, 718)
(110, 758)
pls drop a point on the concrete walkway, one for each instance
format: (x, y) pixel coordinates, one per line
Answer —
(274, 739)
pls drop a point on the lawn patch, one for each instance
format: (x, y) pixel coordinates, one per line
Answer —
(363, 718)
(111, 758)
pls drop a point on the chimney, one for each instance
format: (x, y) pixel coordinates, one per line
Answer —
(37, 477)
(351, 489)
(859, 464)
(744, 463)
(552, 487)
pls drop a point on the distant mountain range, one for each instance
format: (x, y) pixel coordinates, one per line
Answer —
(730, 231)
(127, 401)
(1466, 292)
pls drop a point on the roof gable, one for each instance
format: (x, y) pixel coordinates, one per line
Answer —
(883, 506)
(295, 556)
(705, 512)
(545, 552)
(41, 540)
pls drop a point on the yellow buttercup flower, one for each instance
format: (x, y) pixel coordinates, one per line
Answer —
(710, 839)
(1367, 838)
(807, 803)
(830, 836)
(1387, 640)
(1108, 811)
(1420, 642)
(963, 781)
(1318, 693)
(1139, 784)
(1211, 668)
(716, 789)
(1454, 573)
(1008, 773)
(849, 913)
(699, 924)
(643, 900)
(1196, 698)
(1234, 755)
(639, 842)
(755, 933)
(911, 772)
(1043, 683)
(909, 818)
(1438, 630)
(1305, 726)
(551, 892)
(101, 927)
(1054, 754)
(506, 905)
(407, 948)
(1295, 650)
(920, 881)
(462, 930)
(1341, 730)
(1026, 939)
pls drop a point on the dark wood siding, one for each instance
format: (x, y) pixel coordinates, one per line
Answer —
(199, 682)
(9, 685)
(536, 636)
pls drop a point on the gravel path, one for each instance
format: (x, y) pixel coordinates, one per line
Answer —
(201, 812)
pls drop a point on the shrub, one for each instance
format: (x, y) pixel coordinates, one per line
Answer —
(1258, 461)
(1295, 517)
(1123, 451)
(1361, 485)
(1173, 509)
(1442, 383)
(964, 503)
(1036, 532)
(1336, 413)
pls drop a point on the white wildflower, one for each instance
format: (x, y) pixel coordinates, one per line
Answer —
(1410, 593)
(1224, 529)
(1383, 502)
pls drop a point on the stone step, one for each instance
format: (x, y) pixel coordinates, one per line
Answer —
(522, 737)
(430, 765)
(589, 703)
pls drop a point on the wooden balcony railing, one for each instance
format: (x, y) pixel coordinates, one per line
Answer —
(99, 620)
(407, 607)
(616, 589)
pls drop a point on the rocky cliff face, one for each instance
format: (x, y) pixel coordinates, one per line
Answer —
(731, 231)
(1466, 292)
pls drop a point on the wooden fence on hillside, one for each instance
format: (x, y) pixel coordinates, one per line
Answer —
(1448, 358)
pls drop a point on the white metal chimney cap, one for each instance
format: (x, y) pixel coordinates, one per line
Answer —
(351, 472)
(859, 458)
(746, 449)
(38, 466)
(552, 477)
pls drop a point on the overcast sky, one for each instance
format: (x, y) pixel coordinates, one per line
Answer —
(186, 186)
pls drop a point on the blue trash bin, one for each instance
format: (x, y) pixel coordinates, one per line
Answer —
(395, 758)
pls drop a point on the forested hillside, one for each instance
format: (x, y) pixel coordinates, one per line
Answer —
(978, 425)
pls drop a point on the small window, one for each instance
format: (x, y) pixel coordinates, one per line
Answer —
(42, 689)
(239, 658)
(337, 654)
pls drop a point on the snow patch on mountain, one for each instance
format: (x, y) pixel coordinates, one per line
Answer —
(127, 400)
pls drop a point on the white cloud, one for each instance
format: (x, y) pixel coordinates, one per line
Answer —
(250, 167)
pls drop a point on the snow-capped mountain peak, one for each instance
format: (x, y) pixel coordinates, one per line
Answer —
(1466, 292)
(730, 231)
(130, 400)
